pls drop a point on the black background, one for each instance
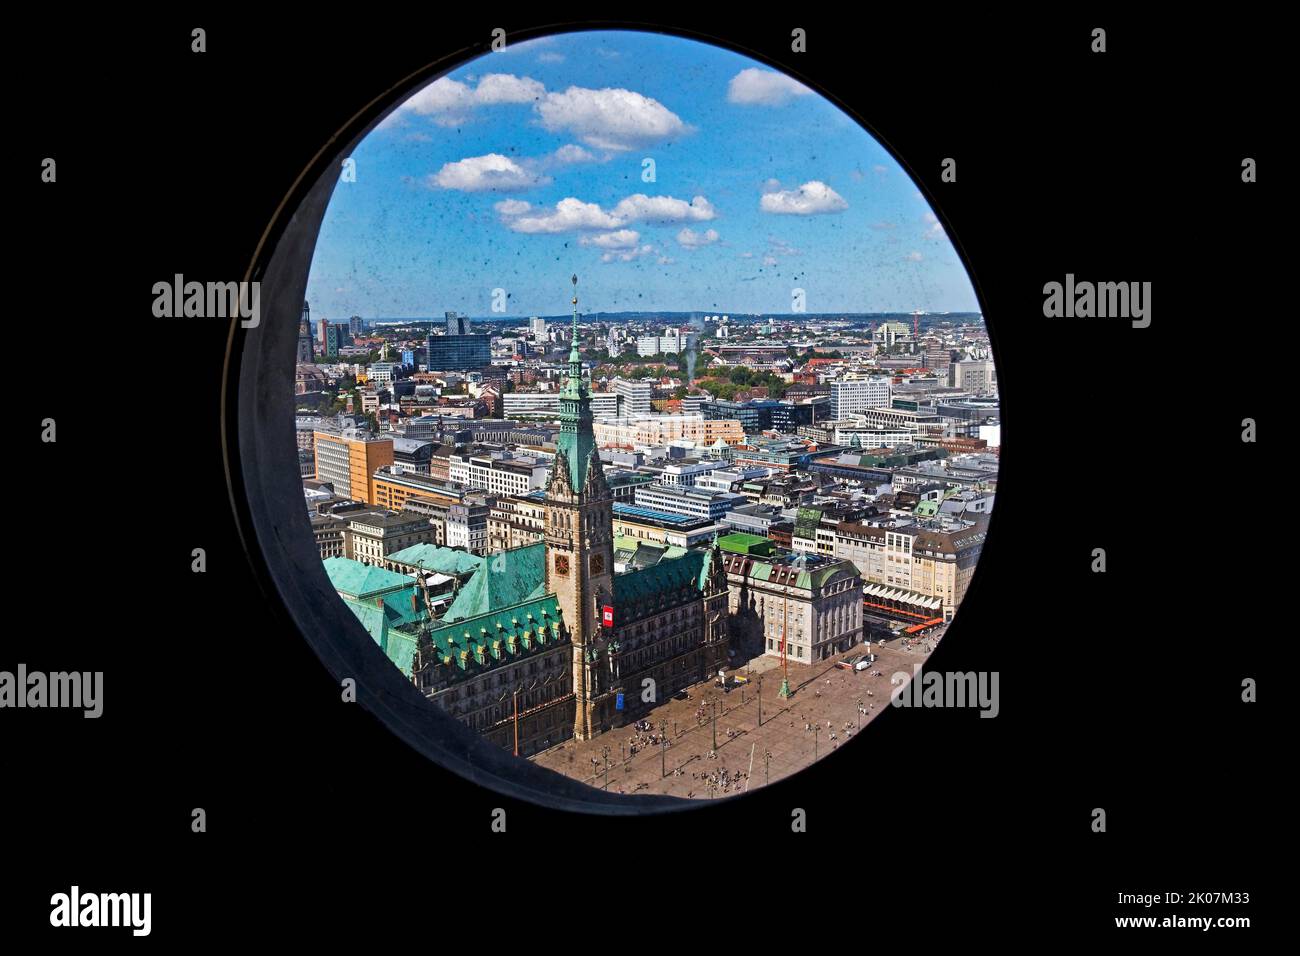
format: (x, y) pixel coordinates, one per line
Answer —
(1118, 690)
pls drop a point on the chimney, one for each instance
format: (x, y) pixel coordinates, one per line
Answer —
(379, 603)
(415, 603)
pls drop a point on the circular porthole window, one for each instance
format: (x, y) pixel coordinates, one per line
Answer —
(620, 418)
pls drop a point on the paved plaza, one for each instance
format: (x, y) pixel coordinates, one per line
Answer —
(821, 715)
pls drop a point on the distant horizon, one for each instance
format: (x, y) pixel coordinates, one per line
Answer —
(742, 317)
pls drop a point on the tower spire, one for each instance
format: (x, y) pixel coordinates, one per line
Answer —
(575, 356)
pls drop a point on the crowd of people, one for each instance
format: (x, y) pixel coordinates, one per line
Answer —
(721, 780)
(646, 736)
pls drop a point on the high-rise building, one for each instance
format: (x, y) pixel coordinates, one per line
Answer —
(537, 326)
(852, 396)
(356, 326)
(457, 323)
(977, 377)
(458, 352)
(938, 357)
(636, 396)
(305, 353)
(348, 461)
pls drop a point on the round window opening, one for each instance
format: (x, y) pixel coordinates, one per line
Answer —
(646, 421)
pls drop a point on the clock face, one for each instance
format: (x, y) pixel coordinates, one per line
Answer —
(597, 564)
(561, 564)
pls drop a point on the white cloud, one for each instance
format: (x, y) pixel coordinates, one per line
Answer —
(568, 215)
(691, 239)
(614, 119)
(572, 214)
(507, 88)
(572, 153)
(763, 88)
(810, 199)
(450, 102)
(769, 260)
(913, 256)
(550, 57)
(629, 255)
(934, 228)
(664, 209)
(512, 207)
(483, 173)
(441, 98)
(622, 239)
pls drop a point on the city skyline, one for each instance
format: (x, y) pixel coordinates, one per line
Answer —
(529, 163)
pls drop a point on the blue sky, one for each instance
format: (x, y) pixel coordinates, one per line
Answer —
(525, 166)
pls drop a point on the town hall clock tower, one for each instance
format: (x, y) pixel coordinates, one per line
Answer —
(579, 536)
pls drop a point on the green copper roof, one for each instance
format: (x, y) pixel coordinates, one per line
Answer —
(576, 440)
(503, 579)
(484, 639)
(356, 580)
(433, 558)
(641, 554)
(382, 624)
(636, 587)
(576, 444)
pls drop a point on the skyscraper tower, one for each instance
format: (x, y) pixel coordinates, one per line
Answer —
(457, 324)
(304, 335)
(580, 549)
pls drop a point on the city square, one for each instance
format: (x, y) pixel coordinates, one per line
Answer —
(820, 716)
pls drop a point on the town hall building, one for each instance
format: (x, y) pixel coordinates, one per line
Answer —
(546, 642)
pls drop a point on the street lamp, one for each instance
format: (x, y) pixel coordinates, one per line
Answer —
(605, 754)
(760, 700)
(767, 767)
(817, 734)
(663, 749)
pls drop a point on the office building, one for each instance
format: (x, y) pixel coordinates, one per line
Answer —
(457, 323)
(636, 396)
(810, 602)
(458, 352)
(371, 536)
(348, 460)
(499, 472)
(853, 396)
(685, 500)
